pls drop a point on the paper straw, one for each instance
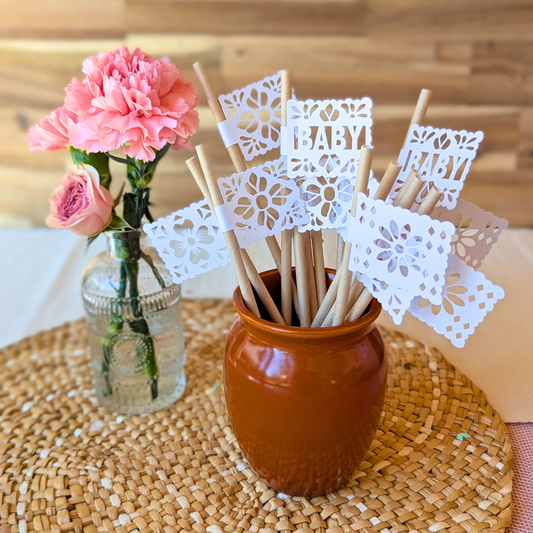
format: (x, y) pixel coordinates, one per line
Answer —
(430, 201)
(257, 282)
(198, 175)
(387, 182)
(361, 185)
(231, 239)
(302, 280)
(261, 289)
(327, 303)
(320, 271)
(313, 301)
(197, 168)
(286, 235)
(325, 308)
(412, 186)
(340, 251)
(234, 151)
(401, 192)
(420, 110)
(276, 255)
(355, 291)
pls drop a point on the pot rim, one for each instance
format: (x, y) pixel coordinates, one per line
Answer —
(352, 328)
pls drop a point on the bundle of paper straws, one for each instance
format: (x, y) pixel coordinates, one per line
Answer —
(314, 303)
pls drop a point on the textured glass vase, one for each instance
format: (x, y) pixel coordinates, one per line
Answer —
(135, 326)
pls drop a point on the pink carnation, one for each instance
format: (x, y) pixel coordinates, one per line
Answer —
(52, 132)
(133, 101)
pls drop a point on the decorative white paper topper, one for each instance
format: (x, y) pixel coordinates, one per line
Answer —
(466, 299)
(393, 300)
(476, 230)
(324, 138)
(261, 202)
(189, 241)
(400, 248)
(253, 117)
(442, 158)
(328, 201)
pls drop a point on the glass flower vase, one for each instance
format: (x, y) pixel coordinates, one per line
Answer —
(135, 326)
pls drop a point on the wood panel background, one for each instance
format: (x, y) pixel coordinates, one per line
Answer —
(476, 56)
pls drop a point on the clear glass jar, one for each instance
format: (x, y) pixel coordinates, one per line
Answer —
(135, 326)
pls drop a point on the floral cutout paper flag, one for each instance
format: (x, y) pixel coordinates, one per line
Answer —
(189, 241)
(324, 138)
(476, 230)
(253, 117)
(328, 200)
(467, 297)
(393, 300)
(441, 157)
(260, 202)
(400, 248)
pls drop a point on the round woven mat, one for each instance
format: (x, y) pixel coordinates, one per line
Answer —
(68, 465)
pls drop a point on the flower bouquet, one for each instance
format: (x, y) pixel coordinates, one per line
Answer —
(140, 107)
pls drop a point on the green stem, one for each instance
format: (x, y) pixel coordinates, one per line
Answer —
(156, 273)
(115, 326)
(141, 326)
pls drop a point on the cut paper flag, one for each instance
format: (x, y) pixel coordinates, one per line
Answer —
(189, 241)
(442, 157)
(393, 300)
(467, 297)
(328, 200)
(260, 202)
(400, 248)
(253, 117)
(324, 138)
(476, 230)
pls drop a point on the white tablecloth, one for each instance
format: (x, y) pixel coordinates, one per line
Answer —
(40, 274)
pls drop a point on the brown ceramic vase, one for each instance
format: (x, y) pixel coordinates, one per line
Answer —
(304, 403)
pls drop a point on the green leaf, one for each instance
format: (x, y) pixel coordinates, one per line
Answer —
(91, 239)
(145, 201)
(151, 165)
(117, 223)
(159, 155)
(462, 436)
(133, 177)
(78, 156)
(98, 160)
(118, 159)
(156, 273)
(119, 195)
(148, 214)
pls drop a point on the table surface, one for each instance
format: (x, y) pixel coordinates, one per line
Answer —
(39, 285)
(69, 464)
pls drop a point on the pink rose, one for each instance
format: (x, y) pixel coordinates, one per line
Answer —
(131, 101)
(81, 204)
(52, 132)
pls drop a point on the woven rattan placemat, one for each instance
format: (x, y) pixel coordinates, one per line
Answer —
(66, 465)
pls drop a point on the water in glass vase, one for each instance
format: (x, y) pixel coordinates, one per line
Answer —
(134, 326)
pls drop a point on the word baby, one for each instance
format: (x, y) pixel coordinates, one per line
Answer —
(324, 138)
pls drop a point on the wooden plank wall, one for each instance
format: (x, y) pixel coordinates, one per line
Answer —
(476, 56)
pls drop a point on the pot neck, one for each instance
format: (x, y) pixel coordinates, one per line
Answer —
(290, 335)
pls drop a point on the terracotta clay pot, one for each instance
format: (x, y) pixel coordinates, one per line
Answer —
(304, 403)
